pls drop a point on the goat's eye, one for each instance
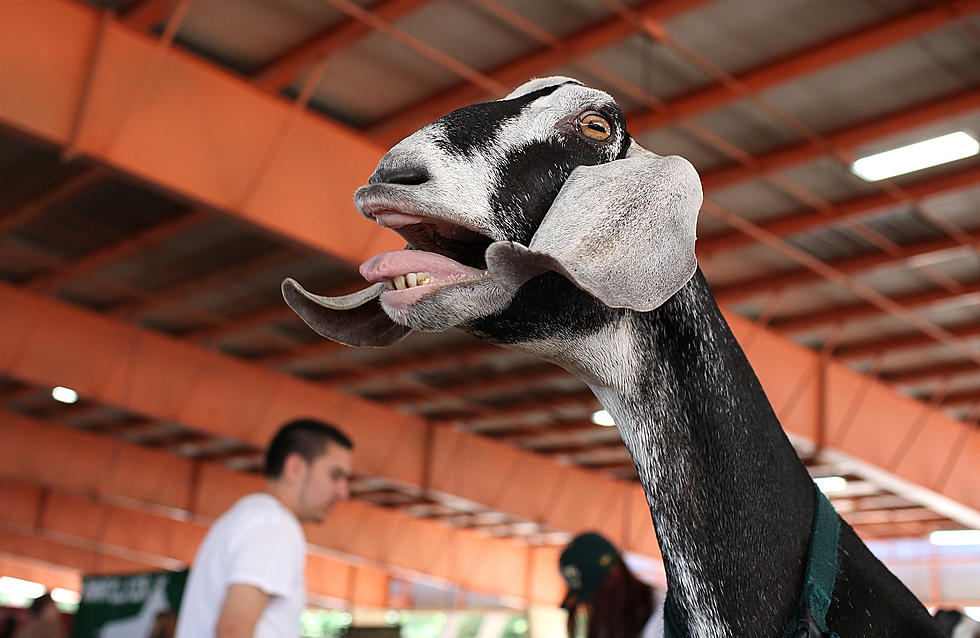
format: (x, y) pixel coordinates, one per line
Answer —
(595, 127)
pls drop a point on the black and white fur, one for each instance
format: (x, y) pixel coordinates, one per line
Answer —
(586, 254)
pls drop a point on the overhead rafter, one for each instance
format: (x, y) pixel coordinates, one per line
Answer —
(161, 377)
(730, 293)
(902, 341)
(913, 374)
(143, 15)
(70, 187)
(810, 60)
(159, 504)
(211, 392)
(146, 540)
(846, 139)
(580, 44)
(284, 69)
(113, 95)
(804, 220)
(48, 574)
(126, 246)
(856, 311)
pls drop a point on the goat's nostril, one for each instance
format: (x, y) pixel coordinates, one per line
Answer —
(404, 175)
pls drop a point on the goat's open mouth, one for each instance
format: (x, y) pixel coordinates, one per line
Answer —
(441, 254)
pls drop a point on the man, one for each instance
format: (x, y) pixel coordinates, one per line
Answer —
(248, 577)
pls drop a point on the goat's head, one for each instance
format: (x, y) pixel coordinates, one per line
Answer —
(547, 182)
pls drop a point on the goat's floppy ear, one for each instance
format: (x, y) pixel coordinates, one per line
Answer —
(622, 231)
(354, 320)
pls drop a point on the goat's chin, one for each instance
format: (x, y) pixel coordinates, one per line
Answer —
(450, 306)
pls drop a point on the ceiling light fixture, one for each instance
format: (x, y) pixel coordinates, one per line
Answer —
(65, 596)
(915, 157)
(63, 394)
(19, 589)
(955, 537)
(830, 484)
(601, 417)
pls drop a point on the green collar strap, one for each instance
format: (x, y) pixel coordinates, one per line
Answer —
(818, 584)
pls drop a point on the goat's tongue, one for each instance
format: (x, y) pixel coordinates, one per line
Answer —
(400, 262)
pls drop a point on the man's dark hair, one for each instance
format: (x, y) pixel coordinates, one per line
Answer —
(306, 437)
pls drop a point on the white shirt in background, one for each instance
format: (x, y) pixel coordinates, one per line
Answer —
(257, 542)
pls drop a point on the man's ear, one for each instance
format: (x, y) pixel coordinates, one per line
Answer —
(294, 468)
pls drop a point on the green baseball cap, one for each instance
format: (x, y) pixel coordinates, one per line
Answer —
(584, 565)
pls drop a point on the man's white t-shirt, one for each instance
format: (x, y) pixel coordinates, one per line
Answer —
(257, 542)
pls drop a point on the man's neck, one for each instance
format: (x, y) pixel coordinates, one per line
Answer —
(283, 494)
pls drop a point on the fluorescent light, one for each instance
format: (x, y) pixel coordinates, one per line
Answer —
(915, 157)
(601, 417)
(955, 537)
(65, 395)
(829, 484)
(66, 596)
(20, 590)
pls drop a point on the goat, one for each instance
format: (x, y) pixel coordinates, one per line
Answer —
(537, 223)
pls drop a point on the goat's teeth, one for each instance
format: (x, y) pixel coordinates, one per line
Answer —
(423, 278)
(400, 282)
(411, 280)
(389, 284)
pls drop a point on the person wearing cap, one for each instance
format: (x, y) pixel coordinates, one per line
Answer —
(618, 605)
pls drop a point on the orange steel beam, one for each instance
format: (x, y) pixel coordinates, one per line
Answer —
(518, 404)
(962, 397)
(463, 356)
(285, 68)
(67, 189)
(118, 250)
(511, 382)
(922, 373)
(71, 552)
(730, 293)
(810, 60)
(162, 377)
(261, 318)
(847, 138)
(903, 341)
(180, 123)
(852, 312)
(38, 571)
(922, 324)
(154, 375)
(146, 14)
(577, 45)
(209, 281)
(803, 220)
(155, 505)
(522, 433)
(110, 531)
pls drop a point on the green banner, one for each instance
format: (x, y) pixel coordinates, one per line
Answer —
(127, 606)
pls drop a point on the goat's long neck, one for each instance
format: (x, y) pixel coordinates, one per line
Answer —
(731, 502)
